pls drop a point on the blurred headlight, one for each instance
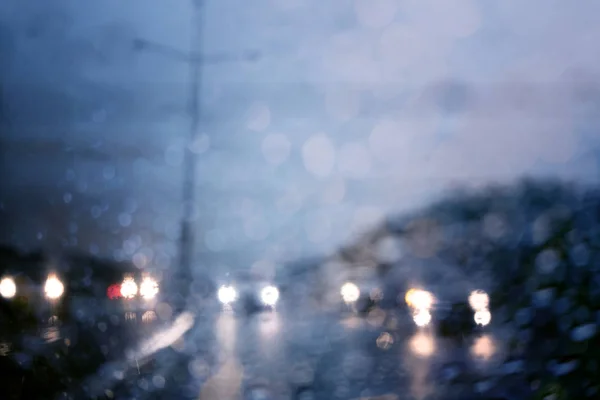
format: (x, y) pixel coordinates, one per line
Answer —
(8, 288)
(479, 300)
(269, 295)
(422, 318)
(148, 288)
(227, 294)
(129, 288)
(350, 292)
(53, 288)
(483, 318)
(419, 299)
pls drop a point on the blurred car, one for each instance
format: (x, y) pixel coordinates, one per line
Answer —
(136, 295)
(31, 296)
(248, 292)
(107, 290)
(449, 317)
(360, 296)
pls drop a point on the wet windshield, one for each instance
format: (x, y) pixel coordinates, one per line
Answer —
(299, 199)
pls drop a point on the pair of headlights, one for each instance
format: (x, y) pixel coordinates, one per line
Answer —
(422, 301)
(148, 288)
(53, 288)
(480, 303)
(269, 295)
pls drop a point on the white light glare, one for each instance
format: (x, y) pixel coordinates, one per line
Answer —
(148, 288)
(350, 292)
(8, 288)
(483, 318)
(422, 318)
(419, 299)
(479, 300)
(129, 288)
(269, 295)
(227, 294)
(53, 288)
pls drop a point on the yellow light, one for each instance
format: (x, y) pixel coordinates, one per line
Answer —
(419, 299)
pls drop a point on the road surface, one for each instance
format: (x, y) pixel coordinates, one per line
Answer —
(286, 354)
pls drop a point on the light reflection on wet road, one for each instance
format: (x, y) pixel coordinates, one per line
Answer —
(281, 352)
(227, 381)
(49, 333)
(347, 358)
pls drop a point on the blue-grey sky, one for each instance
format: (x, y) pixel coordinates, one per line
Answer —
(356, 109)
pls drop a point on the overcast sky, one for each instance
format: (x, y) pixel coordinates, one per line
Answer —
(356, 108)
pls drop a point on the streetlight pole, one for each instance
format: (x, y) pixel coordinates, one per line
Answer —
(186, 238)
(182, 277)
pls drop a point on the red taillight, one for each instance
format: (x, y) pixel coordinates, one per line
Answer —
(114, 291)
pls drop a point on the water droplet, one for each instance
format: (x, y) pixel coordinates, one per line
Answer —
(94, 249)
(375, 13)
(580, 255)
(130, 206)
(259, 117)
(276, 148)
(385, 341)
(140, 260)
(70, 175)
(366, 218)
(201, 144)
(335, 192)
(124, 219)
(158, 381)
(388, 250)
(214, 240)
(256, 228)
(199, 368)
(547, 261)
(318, 155)
(354, 160)
(109, 172)
(318, 227)
(143, 384)
(174, 155)
(342, 104)
(494, 226)
(584, 332)
(96, 211)
(541, 229)
(543, 297)
(99, 116)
